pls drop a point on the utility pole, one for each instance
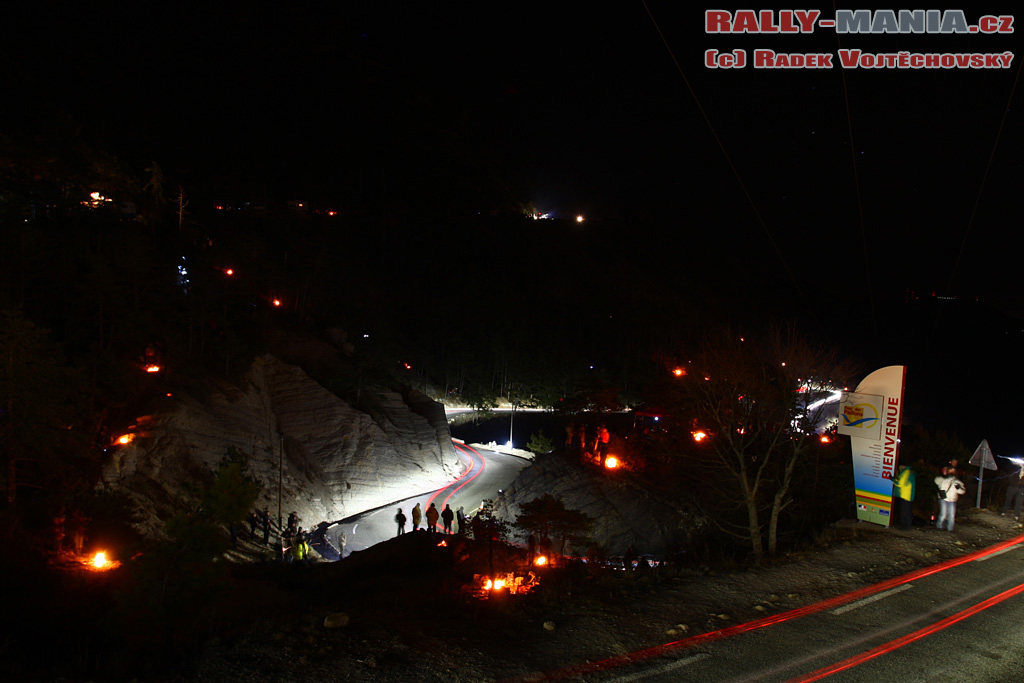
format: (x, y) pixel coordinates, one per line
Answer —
(280, 483)
(511, 423)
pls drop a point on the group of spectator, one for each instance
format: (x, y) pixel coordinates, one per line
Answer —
(447, 516)
(949, 488)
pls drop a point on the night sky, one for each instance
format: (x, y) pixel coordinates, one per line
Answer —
(854, 198)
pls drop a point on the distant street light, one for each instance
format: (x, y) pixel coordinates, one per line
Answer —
(511, 422)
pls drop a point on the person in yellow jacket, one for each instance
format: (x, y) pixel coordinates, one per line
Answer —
(417, 515)
(300, 547)
(904, 486)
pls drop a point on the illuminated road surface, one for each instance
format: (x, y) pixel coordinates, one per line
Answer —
(962, 620)
(489, 471)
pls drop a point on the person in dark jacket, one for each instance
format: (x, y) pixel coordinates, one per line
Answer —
(1014, 494)
(400, 520)
(460, 515)
(447, 516)
(432, 515)
(265, 522)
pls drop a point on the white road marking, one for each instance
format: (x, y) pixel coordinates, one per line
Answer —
(873, 598)
(679, 663)
(1004, 550)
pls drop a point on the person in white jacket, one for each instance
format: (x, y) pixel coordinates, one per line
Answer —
(950, 490)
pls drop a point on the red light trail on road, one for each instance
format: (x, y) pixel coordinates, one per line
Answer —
(473, 466)
(867, 591)
(896, 644)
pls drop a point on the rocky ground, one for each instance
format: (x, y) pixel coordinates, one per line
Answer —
(408, 610)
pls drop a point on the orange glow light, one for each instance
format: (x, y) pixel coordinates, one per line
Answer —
(99, 560)
(277, 302)
(442, 544)
(612, 462)
(126, 439)
(541, 561)
(699, 436)
(679, 372)
(152, 368)
(825, 439)
(229, 272)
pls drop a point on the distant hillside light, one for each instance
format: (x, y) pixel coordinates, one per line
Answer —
(579, 219)
(277, 303)
(153, 368)
(679, 372)
(699, 436)
(229, 272)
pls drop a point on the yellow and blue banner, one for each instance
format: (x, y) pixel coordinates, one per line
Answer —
(872, 417)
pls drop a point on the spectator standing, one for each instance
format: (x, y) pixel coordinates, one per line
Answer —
(1014, 494)
(460, 515)
(603, 439)
(58, 529)
(417, 517)
(950, 490)
(400, 520)
(447, 516)
(432, 515)
(904, 486)
(265, 521)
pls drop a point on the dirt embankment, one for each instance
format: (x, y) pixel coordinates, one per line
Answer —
(410, 613)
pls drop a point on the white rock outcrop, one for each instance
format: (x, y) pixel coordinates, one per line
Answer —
(333, 460)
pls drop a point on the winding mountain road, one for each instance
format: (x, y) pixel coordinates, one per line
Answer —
(487, 472)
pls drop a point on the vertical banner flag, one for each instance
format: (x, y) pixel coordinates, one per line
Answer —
(871, 416)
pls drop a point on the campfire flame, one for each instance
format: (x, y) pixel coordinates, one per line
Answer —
(541, 560)
(507, 582)
(612, 462)
(99, 560)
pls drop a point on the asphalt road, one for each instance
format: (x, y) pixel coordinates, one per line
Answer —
(488, 472)
(962, 620)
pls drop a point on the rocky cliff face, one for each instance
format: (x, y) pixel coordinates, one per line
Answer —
(625, 511)
(333, 460)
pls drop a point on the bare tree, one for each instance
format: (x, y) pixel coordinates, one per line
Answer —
(762, 402)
